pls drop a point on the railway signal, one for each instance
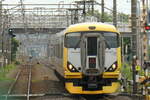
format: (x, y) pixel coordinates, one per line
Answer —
(10, 32)
(147, 27)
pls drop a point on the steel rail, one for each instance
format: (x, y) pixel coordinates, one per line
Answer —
(29, 82)
(24, 95)
(28, 95)
(12, 85)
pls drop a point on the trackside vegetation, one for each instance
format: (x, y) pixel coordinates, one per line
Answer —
(5, 70)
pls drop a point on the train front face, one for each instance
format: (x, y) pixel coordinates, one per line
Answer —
(92, 60)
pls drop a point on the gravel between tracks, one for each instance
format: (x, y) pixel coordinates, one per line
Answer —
(44, 80)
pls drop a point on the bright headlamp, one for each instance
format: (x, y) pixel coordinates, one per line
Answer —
(113, 67)
(71, 68)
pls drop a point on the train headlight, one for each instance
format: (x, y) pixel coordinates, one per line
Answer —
(113, 67)
(71, 68)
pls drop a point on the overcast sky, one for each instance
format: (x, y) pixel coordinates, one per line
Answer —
(122, 5)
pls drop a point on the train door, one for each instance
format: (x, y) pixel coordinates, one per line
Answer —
(92, 53)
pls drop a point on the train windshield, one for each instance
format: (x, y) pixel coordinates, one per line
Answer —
(72, 40)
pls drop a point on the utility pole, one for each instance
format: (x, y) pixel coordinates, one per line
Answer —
(115, 13)
(145, 39)
(23, 16)
(84, 10)
(134, 40)
(1, 45)
(134, 26)
(145, 43)
(76, 19)
(0, 16)
(102, 11)
(93, 7)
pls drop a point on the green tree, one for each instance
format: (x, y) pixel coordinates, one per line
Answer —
(97, 14)
(123, 17)
(109, 17)
(14, 46)
(126, 40)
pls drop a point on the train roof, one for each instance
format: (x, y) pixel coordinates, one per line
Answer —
(85, 27)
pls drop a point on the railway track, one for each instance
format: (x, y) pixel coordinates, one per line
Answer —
(21, 87)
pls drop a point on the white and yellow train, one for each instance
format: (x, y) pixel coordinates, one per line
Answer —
(90, 55)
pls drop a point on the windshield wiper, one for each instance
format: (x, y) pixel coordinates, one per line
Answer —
(107, 44)
(78, 41)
